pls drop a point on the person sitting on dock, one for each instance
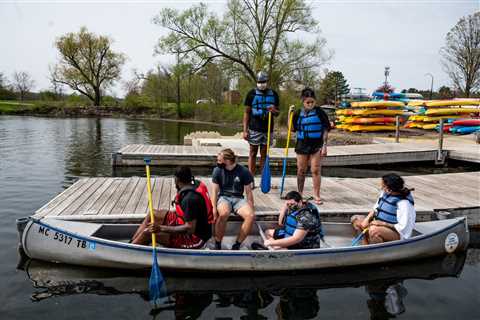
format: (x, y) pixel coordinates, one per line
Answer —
(229, 182)
(393, 216)
(190, 225)
(300, 226)
(312, 126)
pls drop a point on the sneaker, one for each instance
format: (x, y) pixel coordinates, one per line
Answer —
(236, 246)
(258, 246)
(218, 245)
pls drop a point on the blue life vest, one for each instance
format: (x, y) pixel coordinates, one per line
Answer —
(261, 102)
(290, 223)
(388, 205)
(309, 125)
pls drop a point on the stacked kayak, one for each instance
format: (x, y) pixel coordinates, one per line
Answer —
(376, 115)
(429, 113)
(464, 126)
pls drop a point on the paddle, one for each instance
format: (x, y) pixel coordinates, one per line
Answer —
(290, 119)
(357, 239)
(266, 176)
(156, 284)
(262, 234)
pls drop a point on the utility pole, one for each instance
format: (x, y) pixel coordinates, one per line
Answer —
(431, 84)
(387, 73)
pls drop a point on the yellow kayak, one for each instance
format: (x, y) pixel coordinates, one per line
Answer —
(437, 119)
(429, 126)
(371, 128)
(380, 112)
(416, 103)
(377, 104)
(448, 103)
(416, 118)
(447, 111)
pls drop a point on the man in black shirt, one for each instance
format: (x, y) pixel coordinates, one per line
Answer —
(259, 102)
(229, 181)
(188, 226)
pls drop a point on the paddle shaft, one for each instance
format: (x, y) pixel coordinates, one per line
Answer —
(268, 132)
(290, 121)
(359, 237)
(150, 205)
(262, 234)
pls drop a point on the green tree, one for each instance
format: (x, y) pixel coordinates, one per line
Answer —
(253, 35)
(332, 87)
(445, 92)
(461, 54)
(87, 64)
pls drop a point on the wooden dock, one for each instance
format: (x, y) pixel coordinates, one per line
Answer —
(126, 199)
(380, 153)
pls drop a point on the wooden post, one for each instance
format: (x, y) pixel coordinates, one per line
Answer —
(440, 142)
(397, 129)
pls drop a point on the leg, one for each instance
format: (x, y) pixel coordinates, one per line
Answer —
(246, 212)
(316, 168)
(223, 208)
(356, 220)
(263, 155)
(302, 163)
(143, 237)
(252, 159)
(378, 234)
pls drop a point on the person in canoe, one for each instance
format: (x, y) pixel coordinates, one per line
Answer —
(299, 223)
(258, 103)
(312, 126)
(393, 216)
(229, 182)
(190, 225)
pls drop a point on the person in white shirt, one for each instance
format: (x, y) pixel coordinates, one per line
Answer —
(393, 216)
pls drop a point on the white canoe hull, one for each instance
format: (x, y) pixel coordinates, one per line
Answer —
(75, 243)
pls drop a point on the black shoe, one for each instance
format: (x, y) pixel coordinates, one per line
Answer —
(236, 246)
(258, 246)
(218, 245)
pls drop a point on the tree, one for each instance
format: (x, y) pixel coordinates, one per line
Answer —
(253, 35)
(445, 92)
(461, 54)
(22, 83)
(332, 87)
(87, 63)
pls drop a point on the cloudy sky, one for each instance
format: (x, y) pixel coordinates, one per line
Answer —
(365, 35)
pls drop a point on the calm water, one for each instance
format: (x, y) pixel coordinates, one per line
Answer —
(39, 157)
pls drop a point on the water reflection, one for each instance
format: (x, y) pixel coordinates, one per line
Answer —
(287, 296)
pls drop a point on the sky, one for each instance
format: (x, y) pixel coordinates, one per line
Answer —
(365, 36)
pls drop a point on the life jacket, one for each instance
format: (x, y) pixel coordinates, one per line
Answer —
(387, 207)
(261, 102)
(309, 125)
(291, 221)
(201, 190)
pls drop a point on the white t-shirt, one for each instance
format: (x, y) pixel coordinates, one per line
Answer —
(406, 216)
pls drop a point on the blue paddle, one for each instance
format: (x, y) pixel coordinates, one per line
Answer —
(357, 239)
(290, 118)
(266, 176)
(156, 284)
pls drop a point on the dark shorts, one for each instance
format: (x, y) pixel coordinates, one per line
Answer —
(278, 234)
(308, 147)
(181, 241)
(257, 138)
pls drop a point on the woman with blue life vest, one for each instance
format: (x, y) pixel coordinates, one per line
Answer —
(299, 223)
(258, 104)
(393, 216)
(312, 126)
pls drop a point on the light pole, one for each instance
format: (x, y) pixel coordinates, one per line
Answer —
(387, 72)
(431, 84)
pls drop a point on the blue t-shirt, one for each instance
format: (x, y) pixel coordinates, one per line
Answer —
(232, 182)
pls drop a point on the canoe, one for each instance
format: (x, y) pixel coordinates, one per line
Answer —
(448, 111)
(377, 104)
(377, 127)
(55, 279)
(105, 245)
(467, 122)
(447, 103)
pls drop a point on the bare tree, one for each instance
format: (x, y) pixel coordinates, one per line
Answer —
(87, 64)
(22, 83)
(253, 35)
(461, 54)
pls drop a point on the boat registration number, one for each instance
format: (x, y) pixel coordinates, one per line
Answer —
(63, 238)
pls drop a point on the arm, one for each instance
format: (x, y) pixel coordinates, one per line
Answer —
(281, 215)
(188, 227)
(275, 109)
(325, 139)
(214, 198)
(246, 119)
(364, 224)
(297, 237)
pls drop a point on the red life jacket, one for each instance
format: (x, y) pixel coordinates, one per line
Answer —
(201, 190)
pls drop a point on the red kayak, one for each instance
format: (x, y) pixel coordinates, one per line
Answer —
(467, 122)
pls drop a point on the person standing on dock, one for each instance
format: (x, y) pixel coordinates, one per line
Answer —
(312, 126)
(229, 182)
(393, 216)
(259, 102)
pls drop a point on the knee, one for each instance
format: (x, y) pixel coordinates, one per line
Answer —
(223, 214)
(249, 216)
(301, 171)
(253, 151)
(374, 232)
(315, 170)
